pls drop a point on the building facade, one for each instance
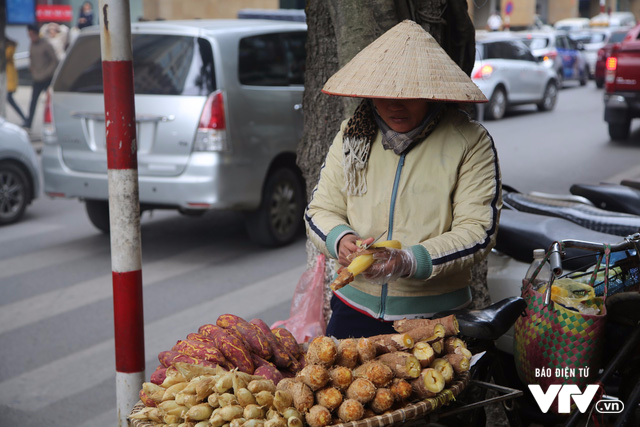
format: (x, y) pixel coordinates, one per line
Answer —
(520, 14)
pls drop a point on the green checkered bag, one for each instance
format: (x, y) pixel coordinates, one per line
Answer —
(553, 344)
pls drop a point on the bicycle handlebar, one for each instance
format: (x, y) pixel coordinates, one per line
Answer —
(555, 253)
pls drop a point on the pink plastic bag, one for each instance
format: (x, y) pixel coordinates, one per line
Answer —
(306, 318)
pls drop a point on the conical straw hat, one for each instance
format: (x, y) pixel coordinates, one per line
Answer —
(405, 62)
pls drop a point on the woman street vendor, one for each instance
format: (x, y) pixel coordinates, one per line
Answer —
(408, 163)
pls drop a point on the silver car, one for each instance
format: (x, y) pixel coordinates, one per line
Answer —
(218, 112)
(508, 74)
(19, 172)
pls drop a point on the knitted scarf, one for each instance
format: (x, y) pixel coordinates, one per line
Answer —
(359, 134)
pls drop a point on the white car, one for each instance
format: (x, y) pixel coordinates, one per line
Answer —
(591, 41)
(572, 24)
(508, 74)
(613, 19)
(19, 172)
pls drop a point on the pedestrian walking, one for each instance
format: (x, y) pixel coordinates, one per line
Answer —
(43, 63)
(58, 36)
(12, 76)
(85, 17)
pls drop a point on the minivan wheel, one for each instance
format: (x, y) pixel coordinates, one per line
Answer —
(14, 193)
(549, 98)
(497, 105)
(279, 217)
(98, 212)
(620, 131)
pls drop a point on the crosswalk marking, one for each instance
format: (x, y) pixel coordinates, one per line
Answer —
(24, 230)
(72, 251)
(76, 373)
(49, 304)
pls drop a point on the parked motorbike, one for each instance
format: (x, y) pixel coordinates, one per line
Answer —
(603, 213)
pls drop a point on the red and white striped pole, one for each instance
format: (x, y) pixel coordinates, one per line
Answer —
(124, 202)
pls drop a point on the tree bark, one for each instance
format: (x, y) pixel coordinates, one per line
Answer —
(3, 62)
(337, 31)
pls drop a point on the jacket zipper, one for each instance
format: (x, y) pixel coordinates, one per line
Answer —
(394, 193)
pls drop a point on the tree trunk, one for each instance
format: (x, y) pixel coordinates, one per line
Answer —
(3, 62)
(337, 31)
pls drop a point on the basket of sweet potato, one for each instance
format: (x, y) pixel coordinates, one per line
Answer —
(380, 380)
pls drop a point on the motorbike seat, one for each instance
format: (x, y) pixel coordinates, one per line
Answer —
(621, 224)
(520, 233)
(613, 197)
(633, 183)
(489, 323)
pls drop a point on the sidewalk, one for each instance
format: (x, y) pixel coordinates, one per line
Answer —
(23, 98)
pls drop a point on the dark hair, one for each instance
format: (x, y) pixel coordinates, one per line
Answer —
(33, 27)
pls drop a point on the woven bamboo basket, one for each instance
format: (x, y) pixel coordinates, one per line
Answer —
(397, 417)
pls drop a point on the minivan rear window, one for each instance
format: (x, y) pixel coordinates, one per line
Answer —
(272, 59)
(536, 42)
(162, 65)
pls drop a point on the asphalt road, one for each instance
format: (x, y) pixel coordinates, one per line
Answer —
(549, 151)
(56, 314)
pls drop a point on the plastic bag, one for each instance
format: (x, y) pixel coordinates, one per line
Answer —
(306, 317)
(575, 295)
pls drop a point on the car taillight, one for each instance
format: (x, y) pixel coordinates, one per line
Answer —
(212, 134)
(48, 117)
(610, 65)
(550, 56)
(483, 72)
(48, 127)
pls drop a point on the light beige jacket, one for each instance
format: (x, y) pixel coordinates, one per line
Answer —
(442, 200)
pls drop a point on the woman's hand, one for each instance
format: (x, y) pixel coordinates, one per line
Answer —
(391, 264)
(347, 246)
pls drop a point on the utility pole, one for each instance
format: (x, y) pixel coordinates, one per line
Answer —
(124, 202)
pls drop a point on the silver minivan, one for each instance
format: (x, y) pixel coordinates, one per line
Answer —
(219, 116)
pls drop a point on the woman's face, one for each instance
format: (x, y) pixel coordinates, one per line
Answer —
(402, 115)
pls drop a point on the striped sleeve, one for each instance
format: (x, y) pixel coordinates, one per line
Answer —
(477, 201)
(326, 214)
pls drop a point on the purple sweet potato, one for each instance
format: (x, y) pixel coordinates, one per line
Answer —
(201, 350)
(209, 330)
(170, 357)
(280, 356)
(288, 341)
(259, 361)
(253, 336)
(158, 376)
(232, 348)
(195, 336)
(269, 372)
